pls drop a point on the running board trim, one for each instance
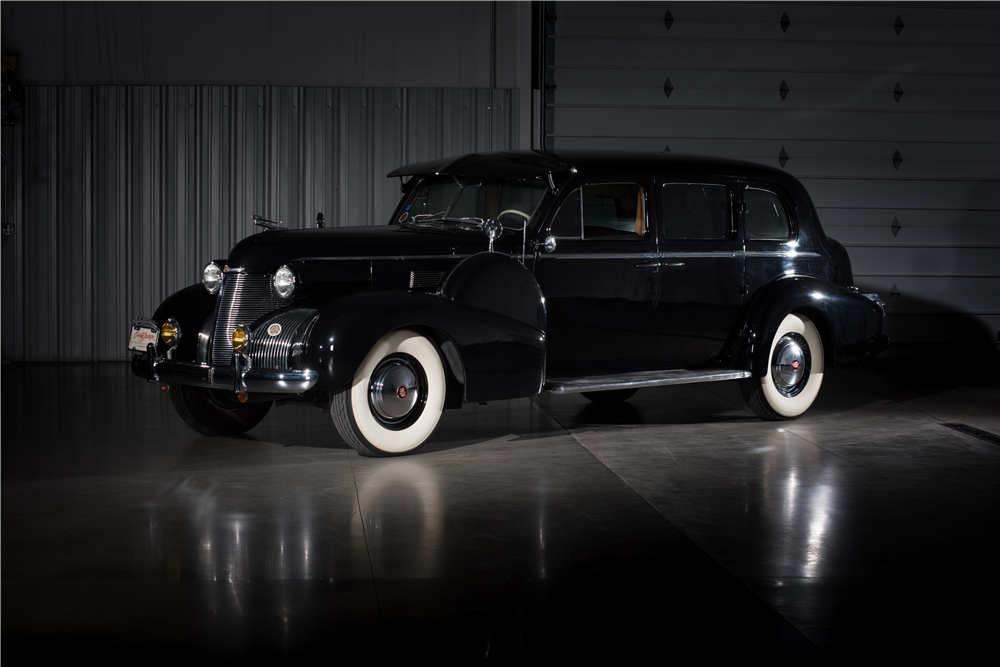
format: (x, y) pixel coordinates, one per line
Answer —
(638, 380)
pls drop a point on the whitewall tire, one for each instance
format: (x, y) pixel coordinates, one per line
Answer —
(795, 365)
(395, 399)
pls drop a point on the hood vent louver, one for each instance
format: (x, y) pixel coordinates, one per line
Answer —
(425, 279)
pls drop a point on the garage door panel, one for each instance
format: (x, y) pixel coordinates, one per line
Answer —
(753, 123)
(856, 235)
(888, 193)
(920, 19)
(737, 76)
(768, 97)
(933, 329)
(858, 57)
(943, 261)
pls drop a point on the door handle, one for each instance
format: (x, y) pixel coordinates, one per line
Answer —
(649, 265)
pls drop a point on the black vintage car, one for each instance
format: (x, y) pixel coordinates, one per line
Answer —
(502, 275)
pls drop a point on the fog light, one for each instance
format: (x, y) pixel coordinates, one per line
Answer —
(241, 338)
(170, 332)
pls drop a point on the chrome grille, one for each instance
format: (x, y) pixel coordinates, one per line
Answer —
(244, 298)
(268, 351)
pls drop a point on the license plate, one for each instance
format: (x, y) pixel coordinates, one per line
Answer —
(141, 335)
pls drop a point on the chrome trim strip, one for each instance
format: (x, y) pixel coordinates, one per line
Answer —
(639, 380)
(221, 377)
(602, 255)
(681, 254)
(371, 258)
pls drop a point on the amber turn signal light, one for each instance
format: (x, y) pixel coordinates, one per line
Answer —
(241, 338)
(242, 396)
(165, 388)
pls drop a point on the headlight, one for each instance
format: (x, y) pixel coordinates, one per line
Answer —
(241, 338)
(170, 332)
(211, 278)
(284, 282)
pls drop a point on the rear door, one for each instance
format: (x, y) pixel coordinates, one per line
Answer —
(701, 270)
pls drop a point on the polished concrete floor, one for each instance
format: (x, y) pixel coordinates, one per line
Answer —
(675, 523)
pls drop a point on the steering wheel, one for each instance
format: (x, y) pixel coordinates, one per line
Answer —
(516, 212)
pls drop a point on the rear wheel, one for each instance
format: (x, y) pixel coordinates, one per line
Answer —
(794, 372)
(396, 397)
(610, 396)
(216, 411)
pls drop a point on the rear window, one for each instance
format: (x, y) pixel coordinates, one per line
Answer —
(766, 216)
(697, 211)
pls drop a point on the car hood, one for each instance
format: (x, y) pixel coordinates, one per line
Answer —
(266, 251)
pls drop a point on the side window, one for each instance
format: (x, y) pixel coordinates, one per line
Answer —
(567, 223)
(766, 217)
(697, 211)
(613, 209)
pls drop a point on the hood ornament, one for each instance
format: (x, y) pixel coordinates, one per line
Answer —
(261, 221)
(493, 229)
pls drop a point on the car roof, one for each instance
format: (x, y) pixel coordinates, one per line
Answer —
(529, 164)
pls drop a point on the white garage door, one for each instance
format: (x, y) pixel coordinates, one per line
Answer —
(888, 113)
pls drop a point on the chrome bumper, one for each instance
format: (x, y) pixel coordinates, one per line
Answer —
(234, 378)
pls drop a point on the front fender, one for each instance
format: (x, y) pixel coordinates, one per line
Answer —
(500, 357)
(190, 306)
(850, 324)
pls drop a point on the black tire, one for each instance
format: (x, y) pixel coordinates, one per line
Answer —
(786, 392)
(216, 411)
(378, 416)
(611, 396)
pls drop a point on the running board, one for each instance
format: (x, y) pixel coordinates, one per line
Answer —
(638, 380)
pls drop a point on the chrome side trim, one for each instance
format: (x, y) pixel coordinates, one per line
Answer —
(682, 254)
(222, 377)
(638, 380)
(371, 258)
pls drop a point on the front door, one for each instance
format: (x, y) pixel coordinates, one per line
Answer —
(600, 280)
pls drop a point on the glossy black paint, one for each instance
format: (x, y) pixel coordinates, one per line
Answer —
(850, 324)
(501, 357)
(190, 306)
(588, 307)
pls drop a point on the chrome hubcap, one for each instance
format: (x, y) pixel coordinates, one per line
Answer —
(397, 391)
(790, 364)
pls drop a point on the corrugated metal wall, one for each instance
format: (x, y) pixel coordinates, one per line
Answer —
(889, 114)
(121, 194)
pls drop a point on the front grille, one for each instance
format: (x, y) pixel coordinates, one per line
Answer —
(267, 351)
(243, 299)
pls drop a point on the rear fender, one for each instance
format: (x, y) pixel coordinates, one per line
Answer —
(850, 324)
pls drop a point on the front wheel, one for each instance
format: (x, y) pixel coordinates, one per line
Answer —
(215, 411)
(396, 397)
(794, 372)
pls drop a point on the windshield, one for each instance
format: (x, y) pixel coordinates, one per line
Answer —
(468, 201)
